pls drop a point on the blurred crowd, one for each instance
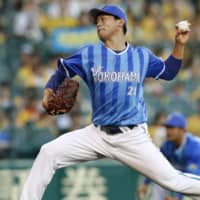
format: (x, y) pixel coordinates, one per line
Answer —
(27, 61)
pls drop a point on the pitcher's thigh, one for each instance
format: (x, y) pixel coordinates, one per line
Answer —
(148, 160)
(73, 147)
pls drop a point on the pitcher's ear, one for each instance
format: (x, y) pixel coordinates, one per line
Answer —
(121, 22)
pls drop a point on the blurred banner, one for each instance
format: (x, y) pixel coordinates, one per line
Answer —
(69, 40)
(99, 180)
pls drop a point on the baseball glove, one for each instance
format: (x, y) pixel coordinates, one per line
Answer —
(62, 100)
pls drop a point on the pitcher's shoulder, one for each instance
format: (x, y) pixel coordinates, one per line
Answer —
(142, 48)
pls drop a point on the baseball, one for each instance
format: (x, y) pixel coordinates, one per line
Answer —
(183, 26)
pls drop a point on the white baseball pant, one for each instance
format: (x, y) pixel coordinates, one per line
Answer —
(133, 147)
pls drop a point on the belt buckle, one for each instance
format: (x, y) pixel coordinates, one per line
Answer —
(132, 126)
(111, 130)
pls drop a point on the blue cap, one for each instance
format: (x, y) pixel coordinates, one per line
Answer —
(176, 120)
(109, 9)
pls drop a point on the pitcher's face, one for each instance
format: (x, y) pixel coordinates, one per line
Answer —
(107, 25)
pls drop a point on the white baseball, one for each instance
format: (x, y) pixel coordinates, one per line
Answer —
(183, 26)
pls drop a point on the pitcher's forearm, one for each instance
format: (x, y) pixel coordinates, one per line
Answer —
(178, 51)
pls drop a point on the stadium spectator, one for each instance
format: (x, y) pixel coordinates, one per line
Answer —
(179, 100)
(157, 130)
(194, 120)
(26, 22)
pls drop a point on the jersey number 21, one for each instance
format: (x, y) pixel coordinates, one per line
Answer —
(131, 91)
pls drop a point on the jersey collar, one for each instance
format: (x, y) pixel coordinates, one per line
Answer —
(113, 52)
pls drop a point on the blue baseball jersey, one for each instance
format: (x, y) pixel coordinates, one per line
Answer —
(115, 80)
(186, 158)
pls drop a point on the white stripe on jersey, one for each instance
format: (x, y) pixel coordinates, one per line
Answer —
(65, 68)
(161, 72)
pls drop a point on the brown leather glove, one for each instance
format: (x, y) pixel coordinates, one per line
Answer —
(62, 100)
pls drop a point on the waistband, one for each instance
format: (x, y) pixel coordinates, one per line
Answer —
(113, 130)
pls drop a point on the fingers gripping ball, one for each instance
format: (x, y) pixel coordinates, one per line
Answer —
(63, 99)
(183, 26)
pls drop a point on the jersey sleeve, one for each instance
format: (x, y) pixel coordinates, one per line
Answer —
(72, 65)
(68, 67)
(160, 69)
(156, 66)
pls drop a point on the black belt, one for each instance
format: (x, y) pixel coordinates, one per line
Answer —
(112, 130)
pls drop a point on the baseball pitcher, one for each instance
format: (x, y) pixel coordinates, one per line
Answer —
(114, 72)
